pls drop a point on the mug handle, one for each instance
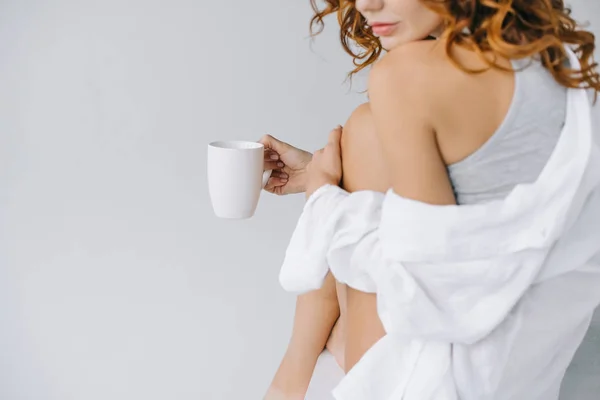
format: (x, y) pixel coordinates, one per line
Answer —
(266, 176)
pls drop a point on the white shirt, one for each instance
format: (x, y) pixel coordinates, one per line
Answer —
(484, 301)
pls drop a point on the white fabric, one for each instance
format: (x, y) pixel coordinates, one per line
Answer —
(485, 301)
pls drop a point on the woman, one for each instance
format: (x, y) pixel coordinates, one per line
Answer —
(462, 119)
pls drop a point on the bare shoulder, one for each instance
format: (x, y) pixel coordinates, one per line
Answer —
(423, 71)
(423, 86)
(411, 64)
(426, 61)
(404, 81)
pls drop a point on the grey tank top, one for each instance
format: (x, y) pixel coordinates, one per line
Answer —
(519, 149)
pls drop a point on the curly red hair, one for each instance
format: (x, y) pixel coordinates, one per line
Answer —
(510, 29)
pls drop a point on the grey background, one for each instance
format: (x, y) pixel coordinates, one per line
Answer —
(116, 281)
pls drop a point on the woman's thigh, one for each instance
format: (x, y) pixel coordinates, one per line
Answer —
(364, 169)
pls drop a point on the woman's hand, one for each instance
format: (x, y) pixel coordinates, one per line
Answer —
(326, 165)
(288, 164)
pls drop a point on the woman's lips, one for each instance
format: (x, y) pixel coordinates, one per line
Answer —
(383, 29)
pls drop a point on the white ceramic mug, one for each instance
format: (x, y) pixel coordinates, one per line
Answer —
(235, 177)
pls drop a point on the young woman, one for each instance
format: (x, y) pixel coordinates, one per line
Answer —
(468, 102)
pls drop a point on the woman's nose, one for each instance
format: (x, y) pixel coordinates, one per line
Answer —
(366, 7)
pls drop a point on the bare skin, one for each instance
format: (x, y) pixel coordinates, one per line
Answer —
(337, 339)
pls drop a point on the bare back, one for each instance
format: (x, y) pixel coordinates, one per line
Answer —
(496, 129)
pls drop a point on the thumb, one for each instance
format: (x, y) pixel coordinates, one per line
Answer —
(335, 137)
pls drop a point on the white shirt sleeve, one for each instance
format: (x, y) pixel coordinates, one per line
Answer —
(428, 285)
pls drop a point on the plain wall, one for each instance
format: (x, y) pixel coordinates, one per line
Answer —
(116, 280)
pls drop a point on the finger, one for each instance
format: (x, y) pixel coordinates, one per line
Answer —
(275, 183)
(271, 155)
(270, 186)
(267, 141)
(316, 159)
(273, 144)
(336, 136)
(273, 165)
(279, 174)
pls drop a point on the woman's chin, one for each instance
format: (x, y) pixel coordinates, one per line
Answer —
(390, 42)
